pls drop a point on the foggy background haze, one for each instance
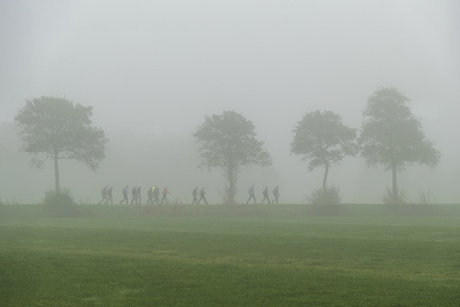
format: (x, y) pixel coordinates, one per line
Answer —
(152, 70)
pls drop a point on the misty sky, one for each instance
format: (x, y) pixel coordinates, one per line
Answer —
(158, 67)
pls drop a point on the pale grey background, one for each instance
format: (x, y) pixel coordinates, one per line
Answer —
(153, 69)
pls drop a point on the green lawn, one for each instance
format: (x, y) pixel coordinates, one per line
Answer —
(128, 257)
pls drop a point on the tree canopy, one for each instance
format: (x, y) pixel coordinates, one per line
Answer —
(59, 129)
(228, 141)
(321, 138)
(392, 136)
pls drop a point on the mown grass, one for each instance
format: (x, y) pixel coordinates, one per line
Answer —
(209, 260)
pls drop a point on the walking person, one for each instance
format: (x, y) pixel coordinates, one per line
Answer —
(276, 194)
(139, 195)
(165, 192)
(109, 196)
(125, 195)
(104, 194)
(156, 195)
(195, 195)
(150, 196)
(265, 193)
(251, 195)
(202, 193)
(134, 195)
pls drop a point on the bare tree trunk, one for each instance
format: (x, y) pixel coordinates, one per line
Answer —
(395, 184)
(56, 175)
(231, 185)
(326, 171)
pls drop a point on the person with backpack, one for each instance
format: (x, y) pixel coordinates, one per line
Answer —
(251, 195)
(165, 192)
(156, 195)
(125, 195)
(134, 194)
(195, 195)
(202, 193)
(109, 196)
(104, 194)
(276, 194)
(265, 193)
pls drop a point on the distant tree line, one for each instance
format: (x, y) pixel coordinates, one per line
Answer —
(55, 128)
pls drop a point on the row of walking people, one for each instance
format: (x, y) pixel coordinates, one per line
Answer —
(276, 195)
(153, 195)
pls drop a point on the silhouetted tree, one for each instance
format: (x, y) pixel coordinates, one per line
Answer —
(228, 141)
(392, 136)
(60, 129)
(324, 140)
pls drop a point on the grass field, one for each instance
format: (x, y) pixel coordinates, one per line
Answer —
(286, 255)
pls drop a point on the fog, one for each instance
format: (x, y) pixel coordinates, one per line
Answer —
(153, 70)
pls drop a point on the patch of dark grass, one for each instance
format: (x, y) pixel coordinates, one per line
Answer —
(413, 209)
(181, 210)
(327, 210)
(183, 261)
(50, 279)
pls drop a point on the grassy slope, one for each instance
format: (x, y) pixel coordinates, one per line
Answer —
(258, 260)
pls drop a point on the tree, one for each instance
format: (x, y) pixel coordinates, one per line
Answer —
(228, 141)
(60, 129)
(324, 140)
(392, 136)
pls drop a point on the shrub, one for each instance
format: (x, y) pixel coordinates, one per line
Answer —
(331, 196)
(425, 198)
(390, 199)
(61, 204)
